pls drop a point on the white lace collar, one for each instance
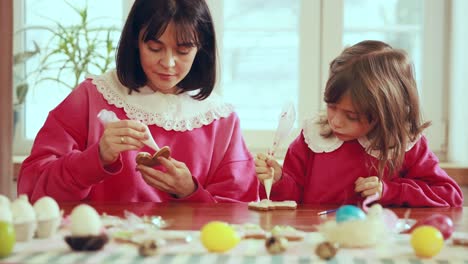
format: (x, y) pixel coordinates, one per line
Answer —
(319, 144)
(172, 112)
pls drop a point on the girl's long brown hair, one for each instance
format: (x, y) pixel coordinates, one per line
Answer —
(380, 81)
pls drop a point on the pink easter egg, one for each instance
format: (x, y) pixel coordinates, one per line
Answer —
(442, 222)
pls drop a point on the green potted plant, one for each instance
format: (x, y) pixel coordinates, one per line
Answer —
(76, 49)
(69, 54)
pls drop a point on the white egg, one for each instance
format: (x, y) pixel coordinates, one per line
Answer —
(4, 200)
(85, 221)
(22, 211)
(5, 213)
(46, 208)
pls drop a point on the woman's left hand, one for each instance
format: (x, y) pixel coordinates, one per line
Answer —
(368, 186)
(177, 179)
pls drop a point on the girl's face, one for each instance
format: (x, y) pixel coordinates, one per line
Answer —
(345, 122)
(166, 62)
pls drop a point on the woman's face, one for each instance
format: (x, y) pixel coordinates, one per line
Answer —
(345, 122)
(166, 62)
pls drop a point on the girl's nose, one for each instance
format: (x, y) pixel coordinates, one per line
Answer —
(168, 60)
(336, 121)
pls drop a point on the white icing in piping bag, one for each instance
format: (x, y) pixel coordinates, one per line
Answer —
(285, 125)
(107, 116)
(150, 141)
(268, 182)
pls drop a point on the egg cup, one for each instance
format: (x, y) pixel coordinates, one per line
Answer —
(24, 231)
(87, 243)
(47, 228)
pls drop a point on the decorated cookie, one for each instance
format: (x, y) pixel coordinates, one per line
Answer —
(266, 205)
(147, 159)
(288, 232)
(250, 231)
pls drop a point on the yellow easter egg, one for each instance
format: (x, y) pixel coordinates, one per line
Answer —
(427, 241)
(218, 236)
(7, 239)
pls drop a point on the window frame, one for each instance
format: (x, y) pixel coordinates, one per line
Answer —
(321, 31)
(321, 41)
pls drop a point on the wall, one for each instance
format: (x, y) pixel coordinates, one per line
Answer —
(6, 104)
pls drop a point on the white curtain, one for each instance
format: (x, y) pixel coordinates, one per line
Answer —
(458, 97)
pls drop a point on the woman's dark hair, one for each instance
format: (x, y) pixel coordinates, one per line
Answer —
(193, 23)
(380, 81)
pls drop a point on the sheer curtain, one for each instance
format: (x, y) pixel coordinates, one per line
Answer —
(458, 97)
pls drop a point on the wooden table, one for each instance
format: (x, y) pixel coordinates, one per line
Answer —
(184, 216)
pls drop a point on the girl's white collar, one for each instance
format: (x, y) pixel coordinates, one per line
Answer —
(172, 112)
(319, 144)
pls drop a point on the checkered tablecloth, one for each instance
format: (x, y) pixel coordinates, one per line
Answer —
(55, 250)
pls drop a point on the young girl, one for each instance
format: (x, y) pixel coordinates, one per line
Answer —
(166, 71)
(370, 140)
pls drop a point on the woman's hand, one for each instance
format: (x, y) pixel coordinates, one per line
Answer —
(120, 136)
(264, 166)
(368, 186)
(177, 179)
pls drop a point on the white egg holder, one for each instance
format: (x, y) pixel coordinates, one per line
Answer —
(41, 220)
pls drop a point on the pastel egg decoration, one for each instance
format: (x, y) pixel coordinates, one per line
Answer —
(389, 218)
(86, 229)
(217, 236)
(48, 217)
(7, 231)
(442, 222)
(348, 213)
(427, 241)
(352, 229)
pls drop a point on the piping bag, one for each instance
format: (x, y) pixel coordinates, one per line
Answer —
(106, 116)
(285, 124)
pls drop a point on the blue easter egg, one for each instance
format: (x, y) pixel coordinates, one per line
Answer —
(349, 212)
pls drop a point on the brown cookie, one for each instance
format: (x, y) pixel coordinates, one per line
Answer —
(144, 158)
(266, 205)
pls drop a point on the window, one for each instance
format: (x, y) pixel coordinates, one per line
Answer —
(33, 21)
(275, 51)
(267, 54)
(416, 26)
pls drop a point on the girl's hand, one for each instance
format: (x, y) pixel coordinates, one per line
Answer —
(264, 166)
(120, 136)
(177, 179)
(368, 186)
